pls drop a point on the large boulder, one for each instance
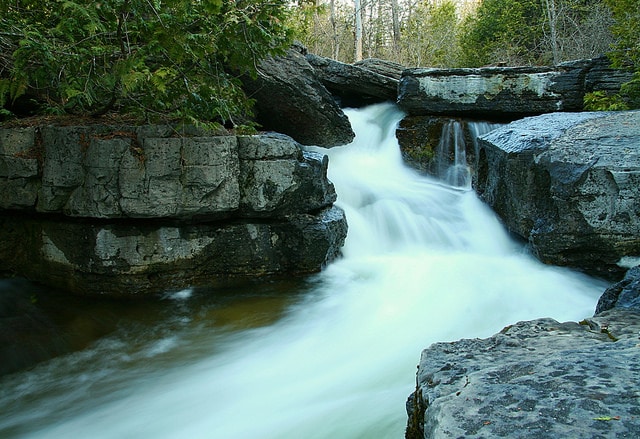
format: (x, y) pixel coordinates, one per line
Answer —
(568, 183)
(131, 211)
(290, 99)
(541, 378)
(505, 92)
(366, 82)
(536, 379)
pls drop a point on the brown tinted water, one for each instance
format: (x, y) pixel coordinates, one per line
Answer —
(38, 323)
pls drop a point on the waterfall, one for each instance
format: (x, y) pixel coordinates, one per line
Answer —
(452, 157)
(452, 162)
(424, 261)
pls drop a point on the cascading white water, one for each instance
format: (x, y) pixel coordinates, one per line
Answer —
(423, 262)
(452, 157)
(452, 165)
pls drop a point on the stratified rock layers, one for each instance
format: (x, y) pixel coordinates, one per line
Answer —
(506, 92)
(137, 210)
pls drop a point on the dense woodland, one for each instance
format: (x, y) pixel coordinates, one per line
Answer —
(459, 33)
(183, 59)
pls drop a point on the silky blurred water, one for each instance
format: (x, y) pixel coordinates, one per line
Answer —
(334, 357)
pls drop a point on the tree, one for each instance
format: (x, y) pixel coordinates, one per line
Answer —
(357, 55)
(625, 54)
(576, 29)
(175, 59)
(538, 32)
(626, 28)
(395, 18)
(326, 29)
(552, 16)
(505, 31)
(431, 35)
(462, 33)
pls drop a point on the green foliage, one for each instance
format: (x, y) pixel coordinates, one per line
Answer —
(321, 32)
(503, 31)
(177, 59)
(626, 51)
(431, 35)
(628, 98)
(630, 91)
(601, 101)
(625, 54)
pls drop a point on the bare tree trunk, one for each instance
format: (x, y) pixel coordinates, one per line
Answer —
(316, 25)
(334, 29)
(395, 16)
(358, 31)
(552, 15)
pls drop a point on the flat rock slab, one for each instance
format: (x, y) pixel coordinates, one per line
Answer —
(508, 92)
(535, 379)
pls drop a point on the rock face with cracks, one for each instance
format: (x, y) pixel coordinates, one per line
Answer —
(131, 211)
(568, 183)
(505, 92)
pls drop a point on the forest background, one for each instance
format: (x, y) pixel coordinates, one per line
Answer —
(184, 59)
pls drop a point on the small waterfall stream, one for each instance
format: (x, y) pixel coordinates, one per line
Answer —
(452, 164)
(424, 261)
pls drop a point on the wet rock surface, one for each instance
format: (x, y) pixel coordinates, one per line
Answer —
(624, 294)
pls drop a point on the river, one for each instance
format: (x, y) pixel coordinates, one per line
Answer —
(332, 356)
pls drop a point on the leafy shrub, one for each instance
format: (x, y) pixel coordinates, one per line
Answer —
(625, 54)
(161, 59)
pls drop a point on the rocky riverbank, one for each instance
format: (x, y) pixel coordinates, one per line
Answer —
(131, 211)
(539, 378)
(568, 184)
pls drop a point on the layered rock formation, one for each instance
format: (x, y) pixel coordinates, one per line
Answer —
(505, 92)
(568, 183)
(137, 210)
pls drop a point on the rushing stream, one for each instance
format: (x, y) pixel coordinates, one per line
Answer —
(334, 359)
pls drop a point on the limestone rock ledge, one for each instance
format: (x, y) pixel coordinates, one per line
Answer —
(507, 92)
(537, 379)
(129, 211)
(568, 183)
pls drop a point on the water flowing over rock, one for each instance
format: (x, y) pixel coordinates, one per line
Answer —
(444, 147)
(506, 92)
(356, 328)
(568, 183)
(139, 210)
(290, 99)
(540, 378)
